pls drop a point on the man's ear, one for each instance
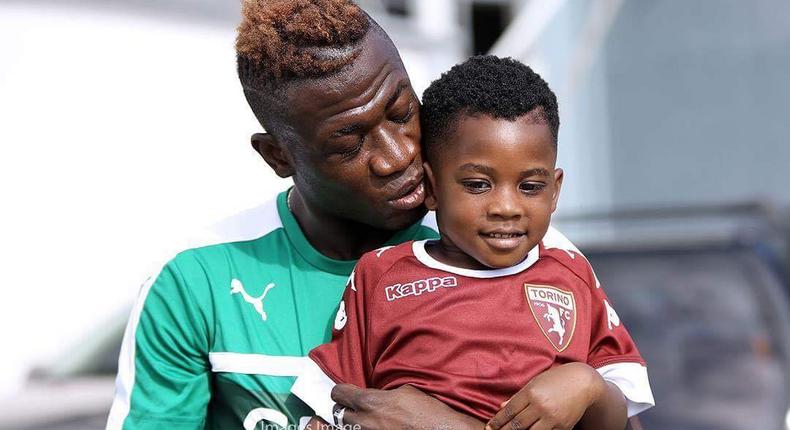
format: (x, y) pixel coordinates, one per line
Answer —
(558, 176)
(273, 153)
(430, 186)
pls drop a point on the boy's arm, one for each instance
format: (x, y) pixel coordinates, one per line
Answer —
(561, 397)
(607, 412)
(612, 385)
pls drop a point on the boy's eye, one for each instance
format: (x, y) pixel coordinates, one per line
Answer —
(476, 185)
(531, 187)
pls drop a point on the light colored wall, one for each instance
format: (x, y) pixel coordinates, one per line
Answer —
(699, 102)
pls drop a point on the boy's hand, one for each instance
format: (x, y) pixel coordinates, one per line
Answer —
(405, 407)
(555, 399)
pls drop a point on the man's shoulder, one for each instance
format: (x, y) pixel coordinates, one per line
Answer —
(430, 226)
(247, 225)
(244, 240)
(252, 226)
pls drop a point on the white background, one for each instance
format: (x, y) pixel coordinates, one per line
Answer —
(120, 137)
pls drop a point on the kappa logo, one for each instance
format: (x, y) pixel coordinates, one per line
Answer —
(555, 312)
(236, 287)
(416, 288)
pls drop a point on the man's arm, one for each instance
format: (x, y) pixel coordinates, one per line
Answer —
(163, 380)
(405, 408)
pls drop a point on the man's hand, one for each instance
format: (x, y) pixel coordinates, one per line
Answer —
(404, 408)
(555, 399)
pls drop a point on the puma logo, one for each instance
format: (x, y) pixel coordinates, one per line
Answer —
(236, 287)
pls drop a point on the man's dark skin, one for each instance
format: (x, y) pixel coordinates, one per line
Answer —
(351, 142)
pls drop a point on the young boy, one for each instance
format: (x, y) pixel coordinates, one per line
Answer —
(500, 299)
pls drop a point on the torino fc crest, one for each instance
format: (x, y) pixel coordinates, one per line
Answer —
(555, 312)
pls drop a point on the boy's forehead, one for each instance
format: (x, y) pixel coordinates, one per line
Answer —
(483, 133)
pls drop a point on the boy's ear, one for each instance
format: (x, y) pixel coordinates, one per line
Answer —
(558, 176)
(273, 153)
(430, 185)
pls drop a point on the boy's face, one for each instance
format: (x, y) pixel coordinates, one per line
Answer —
(494, 189)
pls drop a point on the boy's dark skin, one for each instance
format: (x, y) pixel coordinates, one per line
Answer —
(499, 176)
(341, 196)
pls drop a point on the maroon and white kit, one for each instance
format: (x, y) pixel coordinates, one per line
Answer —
(472, 338)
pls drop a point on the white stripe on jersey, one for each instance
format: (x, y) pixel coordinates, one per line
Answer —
(124, 382)
(418, 248)
(247, 225)
(256, 364)
(314, 387)
(429, 220)
(555, 239)
(631, 379)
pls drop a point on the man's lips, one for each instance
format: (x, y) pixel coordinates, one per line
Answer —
(410, 197)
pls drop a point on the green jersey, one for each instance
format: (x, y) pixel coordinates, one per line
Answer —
(217, 338)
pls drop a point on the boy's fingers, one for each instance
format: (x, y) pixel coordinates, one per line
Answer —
(510, 409)
(542, 425)
(527, 419)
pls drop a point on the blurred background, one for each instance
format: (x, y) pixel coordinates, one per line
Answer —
(124, 133)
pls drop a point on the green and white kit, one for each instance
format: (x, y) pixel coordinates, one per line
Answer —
(218, 337)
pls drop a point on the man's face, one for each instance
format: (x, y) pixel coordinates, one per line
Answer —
(494, 188)
(356, 146)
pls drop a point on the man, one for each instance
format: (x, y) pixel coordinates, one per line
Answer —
(218, 336)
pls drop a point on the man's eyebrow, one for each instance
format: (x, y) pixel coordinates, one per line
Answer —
(349, 129)
(394, 97)
(479, 168)
(354, 128)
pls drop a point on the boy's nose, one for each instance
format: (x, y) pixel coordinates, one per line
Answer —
(504, 204)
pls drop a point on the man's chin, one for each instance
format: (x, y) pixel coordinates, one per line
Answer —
(400, 219)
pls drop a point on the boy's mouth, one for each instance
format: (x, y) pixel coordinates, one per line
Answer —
(502, 235)
(504, 240)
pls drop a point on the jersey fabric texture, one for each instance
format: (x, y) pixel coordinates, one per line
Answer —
(218, 337)
(472, 338)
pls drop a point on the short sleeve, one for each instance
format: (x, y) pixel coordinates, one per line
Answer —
(163, 377)
(344, 360)
(614, 354)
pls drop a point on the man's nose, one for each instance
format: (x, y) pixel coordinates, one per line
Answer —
(394, 152)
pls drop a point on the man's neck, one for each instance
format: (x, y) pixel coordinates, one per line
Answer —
(336, 238)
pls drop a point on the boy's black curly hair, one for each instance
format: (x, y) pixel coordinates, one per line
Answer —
(485, 85)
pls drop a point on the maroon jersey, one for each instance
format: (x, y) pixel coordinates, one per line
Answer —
(472, 338)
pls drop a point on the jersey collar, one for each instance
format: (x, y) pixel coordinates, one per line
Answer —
(315, 258)
(418, 247)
